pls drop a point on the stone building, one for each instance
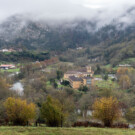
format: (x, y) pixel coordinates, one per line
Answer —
(82, 77)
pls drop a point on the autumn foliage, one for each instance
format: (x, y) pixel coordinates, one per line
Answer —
(124, 77)
(124, 82)
(130, 115)
(122, 71)
(107, 110)
(18, 111)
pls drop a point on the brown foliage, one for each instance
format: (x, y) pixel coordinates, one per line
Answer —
(87, 124)
(19, 111)
(107, 110)
(124, 82)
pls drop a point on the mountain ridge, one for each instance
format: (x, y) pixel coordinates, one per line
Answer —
(40, 35)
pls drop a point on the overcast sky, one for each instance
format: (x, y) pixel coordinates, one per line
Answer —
(104, 10)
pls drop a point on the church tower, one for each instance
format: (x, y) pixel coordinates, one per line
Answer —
(88, 69)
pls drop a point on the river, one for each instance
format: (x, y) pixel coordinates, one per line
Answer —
(18, 87)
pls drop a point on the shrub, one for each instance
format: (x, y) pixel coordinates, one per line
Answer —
(19, 112)
(107, 110)
(51, 111)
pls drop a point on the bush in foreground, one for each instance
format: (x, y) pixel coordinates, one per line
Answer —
(52, 112)
(107, 110)
(19, 112)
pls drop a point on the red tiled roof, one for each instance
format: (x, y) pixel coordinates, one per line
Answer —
(7, 65)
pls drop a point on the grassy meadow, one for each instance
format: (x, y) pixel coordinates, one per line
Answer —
(63, 131)
(10, 70)
(107, 84)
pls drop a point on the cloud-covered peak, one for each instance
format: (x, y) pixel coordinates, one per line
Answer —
(103, 11)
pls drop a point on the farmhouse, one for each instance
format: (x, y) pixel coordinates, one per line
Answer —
(80, 77)
(7, 66)
(125, 65)
(7, 50)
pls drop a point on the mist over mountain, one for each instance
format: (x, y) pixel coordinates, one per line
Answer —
(110, 39)
(61, 35)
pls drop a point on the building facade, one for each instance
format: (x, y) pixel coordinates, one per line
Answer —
(82, 77)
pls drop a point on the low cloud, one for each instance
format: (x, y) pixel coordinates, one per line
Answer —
(102, 11)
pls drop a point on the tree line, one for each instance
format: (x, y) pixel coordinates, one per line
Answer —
(54, 113)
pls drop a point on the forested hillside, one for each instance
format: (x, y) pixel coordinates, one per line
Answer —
(109, 42)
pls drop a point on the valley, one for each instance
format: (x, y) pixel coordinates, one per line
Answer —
(67, 76)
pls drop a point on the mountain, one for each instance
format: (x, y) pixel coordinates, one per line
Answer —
(39, 34)
(113, 40)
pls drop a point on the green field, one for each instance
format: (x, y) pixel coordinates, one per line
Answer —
(110, 66)
(107, 84)
(49, 84)
(128, 61)
(10, 70)
(63, 131)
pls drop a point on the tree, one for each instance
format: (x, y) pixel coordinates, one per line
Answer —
(105, 77)
(3, 116)
(55, 85)
(65, 83)
(51, 111)
(67, 107)
(85, 103)
(124, 82)
(130, 115)
(52, 80)
(98, 69)
(122, 71)
(59, 75)
(19, 112)
(4, 89)
(83, 88)
(107, 110)
(105, 92)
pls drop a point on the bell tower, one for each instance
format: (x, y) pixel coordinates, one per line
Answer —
(88, 69)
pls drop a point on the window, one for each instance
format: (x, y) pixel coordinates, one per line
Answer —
(88, 82)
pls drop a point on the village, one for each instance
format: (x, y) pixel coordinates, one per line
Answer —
(83, 76)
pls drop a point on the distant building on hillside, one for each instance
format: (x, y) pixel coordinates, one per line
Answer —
(7, 50)
(80, 77)
(125, 65)
(4, 50)
(76, 82)
(79, 48)
(79, 73)
(98, 79)
(7, 66)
